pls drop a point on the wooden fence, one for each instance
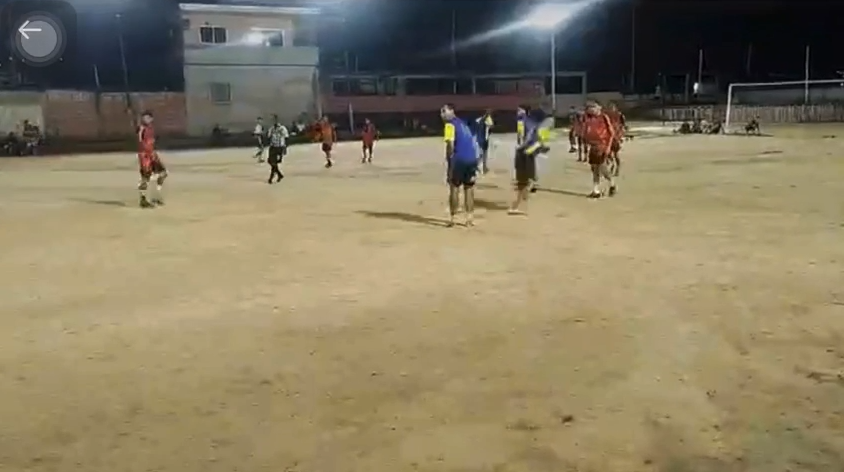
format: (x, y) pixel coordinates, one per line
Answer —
(824, 113)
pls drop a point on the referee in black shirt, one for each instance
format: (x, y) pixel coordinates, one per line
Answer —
(278, 135)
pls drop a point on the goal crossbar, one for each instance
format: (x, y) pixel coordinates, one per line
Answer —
(804, 83)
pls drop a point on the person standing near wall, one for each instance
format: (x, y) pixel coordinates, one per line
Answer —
(258, 133)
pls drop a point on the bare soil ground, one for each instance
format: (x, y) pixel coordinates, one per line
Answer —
(693, 323)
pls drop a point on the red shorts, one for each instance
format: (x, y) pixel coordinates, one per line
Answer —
(598, 153)
(368, 144)
(150, 164)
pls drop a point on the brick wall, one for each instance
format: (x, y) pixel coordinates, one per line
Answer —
(88, 115)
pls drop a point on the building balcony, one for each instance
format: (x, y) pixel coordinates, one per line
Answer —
(245, 56)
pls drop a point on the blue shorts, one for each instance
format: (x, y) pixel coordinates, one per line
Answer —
(462, 173)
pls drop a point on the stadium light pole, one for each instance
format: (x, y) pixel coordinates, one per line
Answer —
(547, 18)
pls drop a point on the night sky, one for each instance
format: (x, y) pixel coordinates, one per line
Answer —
(413, 36)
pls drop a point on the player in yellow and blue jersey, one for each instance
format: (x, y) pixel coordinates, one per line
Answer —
(529, 147)
(461, 155)
(521, 116)
(483, 132)
(544, 124)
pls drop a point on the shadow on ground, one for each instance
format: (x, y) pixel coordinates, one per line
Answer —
(490, 205)
(406, 217)
(111, 203)
(562, 192)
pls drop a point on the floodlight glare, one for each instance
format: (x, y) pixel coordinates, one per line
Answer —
(549, 16)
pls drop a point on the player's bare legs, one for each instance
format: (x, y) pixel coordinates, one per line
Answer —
(453, 203)
(601, 171)
(521, 196)
(469, 204)
(143, 186)
(159, 188)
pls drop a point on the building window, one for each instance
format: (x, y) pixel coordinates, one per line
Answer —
(213, 34)
(221, 93)
(268, 37)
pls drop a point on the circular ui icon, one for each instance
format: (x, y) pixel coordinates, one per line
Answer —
(39, 38)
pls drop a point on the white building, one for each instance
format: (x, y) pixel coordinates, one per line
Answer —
(242, 62)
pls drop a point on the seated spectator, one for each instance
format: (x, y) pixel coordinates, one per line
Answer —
(752, 127)
(715, 128)
(12, 145)
(685, 128)
(31, 138)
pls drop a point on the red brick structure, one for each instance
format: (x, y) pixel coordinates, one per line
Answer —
(88, 115)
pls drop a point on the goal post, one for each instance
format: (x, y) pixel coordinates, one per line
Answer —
(787, 101)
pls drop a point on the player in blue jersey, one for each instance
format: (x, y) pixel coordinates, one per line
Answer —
(461, 155)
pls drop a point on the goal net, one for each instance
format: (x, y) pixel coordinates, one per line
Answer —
(812, 101)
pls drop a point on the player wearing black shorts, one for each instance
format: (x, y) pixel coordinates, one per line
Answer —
(525, 164)
(461, 156)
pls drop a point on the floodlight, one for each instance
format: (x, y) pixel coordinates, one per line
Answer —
(548, 16)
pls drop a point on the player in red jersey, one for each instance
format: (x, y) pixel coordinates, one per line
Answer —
(599, 134)
(619, 123)
(576, 136)
(573, 116)
(149, 163)
(328, 136)
(368, 137)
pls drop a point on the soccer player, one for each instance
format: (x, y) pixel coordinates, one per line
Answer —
(752, 127)
(521, 116)
(149, 163)
(573, 116)
(461, 156)
(483, 127)
(599, 134)
(328, 136)
(278, 135)
(544, 124)
(368, 137)
(525, 164)
(577, 131)
(619, 123)
(258, 132)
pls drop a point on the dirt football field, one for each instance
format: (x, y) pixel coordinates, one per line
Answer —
(331, 323)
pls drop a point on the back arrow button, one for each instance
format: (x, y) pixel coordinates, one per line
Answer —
(23, 30)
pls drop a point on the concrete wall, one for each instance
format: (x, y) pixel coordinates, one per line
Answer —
(237, 25)
(256, 90)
